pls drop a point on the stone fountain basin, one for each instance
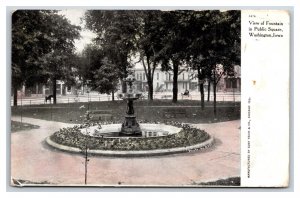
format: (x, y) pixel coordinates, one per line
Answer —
(133, 96)
(148, 130)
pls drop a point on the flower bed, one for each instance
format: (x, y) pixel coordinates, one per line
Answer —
(74, 138)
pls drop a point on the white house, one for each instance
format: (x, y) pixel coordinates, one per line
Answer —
(187, 80)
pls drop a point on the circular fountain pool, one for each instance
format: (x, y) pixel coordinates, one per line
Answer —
(156, 139)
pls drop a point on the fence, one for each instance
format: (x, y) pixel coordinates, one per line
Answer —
(64, 99)
(221, 96)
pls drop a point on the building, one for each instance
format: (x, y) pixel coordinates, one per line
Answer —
(162, 82)
(41, 90)
(187, 80)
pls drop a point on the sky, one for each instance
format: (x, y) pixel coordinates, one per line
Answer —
(75, 16)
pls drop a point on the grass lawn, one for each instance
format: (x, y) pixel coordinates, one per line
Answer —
(232, 181)
(145, 110)
(18, 126)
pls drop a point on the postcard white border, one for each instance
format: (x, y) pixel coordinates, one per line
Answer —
(265, 99)
(231, 5)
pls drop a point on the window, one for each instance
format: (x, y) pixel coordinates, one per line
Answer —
(182, 76)
(228, 83)
(144, 76)
(157, 74)
(234, 83)
(231, 83)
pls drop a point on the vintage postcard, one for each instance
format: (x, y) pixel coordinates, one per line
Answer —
(150, 98)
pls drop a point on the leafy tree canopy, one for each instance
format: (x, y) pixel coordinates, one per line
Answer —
(42, 46)
(116, 33)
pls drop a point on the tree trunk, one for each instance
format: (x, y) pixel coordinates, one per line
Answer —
(150, 89)
(15, 89)
(175, 84)
(124, 87)
(113, 96)
(202, 95)
(215, 98)
(149, 75)
(208, 91)
(54, 90)
(200, 81)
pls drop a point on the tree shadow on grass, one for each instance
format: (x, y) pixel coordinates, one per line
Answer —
(231, 181)
(21, 126)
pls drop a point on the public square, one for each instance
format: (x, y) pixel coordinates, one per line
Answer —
(125, 98)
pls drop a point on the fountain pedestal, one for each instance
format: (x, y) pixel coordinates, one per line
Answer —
(130, 127)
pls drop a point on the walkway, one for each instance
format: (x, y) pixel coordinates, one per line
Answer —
(32, 159)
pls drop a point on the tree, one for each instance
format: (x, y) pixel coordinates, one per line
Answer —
(116, 34)
(28, 43)
(223, 46)
(97, 71)
(198, 23)
(215, 45)
(42, 47)
(89, 61)
(149, 45)
(58, 63)
(106, 78)
(195, 63)
(175, 41)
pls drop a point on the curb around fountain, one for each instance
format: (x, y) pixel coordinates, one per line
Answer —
(138, 153)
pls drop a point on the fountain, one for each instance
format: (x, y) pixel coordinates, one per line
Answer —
(131, 138)
(130, 127)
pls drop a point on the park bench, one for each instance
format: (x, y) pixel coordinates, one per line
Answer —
(100, 115)
(175, 113)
